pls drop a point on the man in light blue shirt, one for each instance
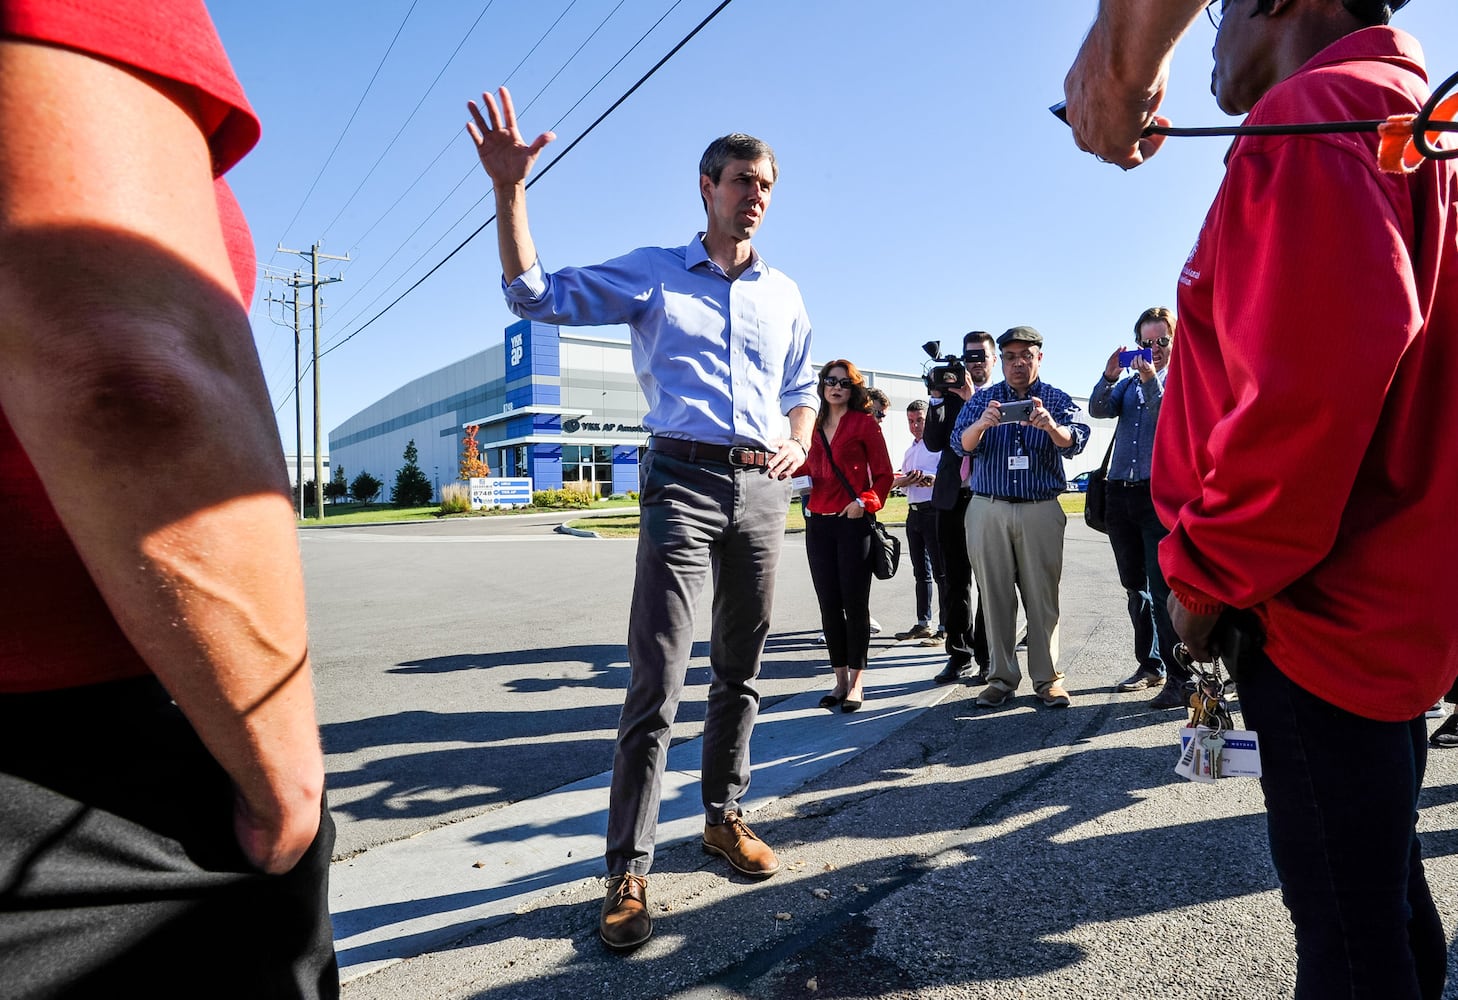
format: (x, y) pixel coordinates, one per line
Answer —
(721, 346)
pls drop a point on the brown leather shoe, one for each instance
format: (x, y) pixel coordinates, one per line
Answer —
(736, 843)
(625, 922)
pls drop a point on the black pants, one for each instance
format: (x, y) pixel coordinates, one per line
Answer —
(966, 633)
(838, 548)
(927, 565)
(1134, 534)
(119, 872)
(1341, 806)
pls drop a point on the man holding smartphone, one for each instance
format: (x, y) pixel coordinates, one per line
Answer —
(1017, 433)
(1134, 528)
(918, 473)
(966, 641)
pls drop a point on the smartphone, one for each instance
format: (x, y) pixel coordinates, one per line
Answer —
(1126, 358)
(1017, 410)
(1060, 111)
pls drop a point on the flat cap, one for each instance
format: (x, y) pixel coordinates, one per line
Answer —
(1024, 333)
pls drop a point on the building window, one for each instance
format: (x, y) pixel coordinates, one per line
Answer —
(588, 468)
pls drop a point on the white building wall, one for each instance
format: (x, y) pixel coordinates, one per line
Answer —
(430, 410)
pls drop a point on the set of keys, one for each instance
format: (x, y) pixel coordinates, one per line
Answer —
(1203, 754)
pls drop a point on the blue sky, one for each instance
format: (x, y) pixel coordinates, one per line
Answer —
(924, 189)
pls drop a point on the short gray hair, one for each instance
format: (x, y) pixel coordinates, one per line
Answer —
(736, 146)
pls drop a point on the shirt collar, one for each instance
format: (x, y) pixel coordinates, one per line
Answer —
(697, 254)
(1381, 42)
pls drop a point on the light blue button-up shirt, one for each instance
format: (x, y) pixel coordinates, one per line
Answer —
(1136, 404)
(719, 361)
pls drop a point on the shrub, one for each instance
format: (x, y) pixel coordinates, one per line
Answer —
(336, 489)
(455, 498)
(365, 487)
(412, 488)
(561, 498)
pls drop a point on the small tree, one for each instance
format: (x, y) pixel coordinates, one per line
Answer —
(412, 488)
(336, 489)
(471, 465)
(365, 487)
(311, 495)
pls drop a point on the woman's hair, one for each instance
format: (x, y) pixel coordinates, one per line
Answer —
(859, 401)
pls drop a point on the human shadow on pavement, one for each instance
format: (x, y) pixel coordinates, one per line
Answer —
(482, 762)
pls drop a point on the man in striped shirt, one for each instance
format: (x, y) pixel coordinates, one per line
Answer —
(1014, 521)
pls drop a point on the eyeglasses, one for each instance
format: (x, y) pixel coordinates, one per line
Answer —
(831, 382)
(879, 414)
(1026, 358)
(1215, 11)
(1162, 342)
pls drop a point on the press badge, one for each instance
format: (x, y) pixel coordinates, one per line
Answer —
(1017, 463)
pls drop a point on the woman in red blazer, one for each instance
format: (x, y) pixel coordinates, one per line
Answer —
(837, 534)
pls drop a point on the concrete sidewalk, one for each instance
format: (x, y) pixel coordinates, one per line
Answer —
(406, 898)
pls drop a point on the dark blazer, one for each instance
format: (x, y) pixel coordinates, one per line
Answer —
(938, 437)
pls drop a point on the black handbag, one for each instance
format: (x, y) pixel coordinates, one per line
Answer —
(1096, 501)
(885, 554)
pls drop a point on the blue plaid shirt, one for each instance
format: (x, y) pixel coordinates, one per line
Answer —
(992, 471)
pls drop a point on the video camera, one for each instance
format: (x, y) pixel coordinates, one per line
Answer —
(949, 371)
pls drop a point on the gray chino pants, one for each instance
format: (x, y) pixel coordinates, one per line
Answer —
(695, 518)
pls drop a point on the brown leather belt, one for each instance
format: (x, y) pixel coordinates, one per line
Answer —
(698, 451)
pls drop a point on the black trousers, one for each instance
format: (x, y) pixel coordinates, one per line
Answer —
(966, 632)
(119, 872)
(1341, 807)
(838, 549)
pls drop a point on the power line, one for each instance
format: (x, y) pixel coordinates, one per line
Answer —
(471, 171)
(544, 171)
(408, 119)
(368, 87)
(451, 143)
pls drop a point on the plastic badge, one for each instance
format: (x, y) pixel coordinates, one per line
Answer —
(1206, 755)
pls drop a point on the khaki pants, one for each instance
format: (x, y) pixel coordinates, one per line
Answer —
(1018, 547)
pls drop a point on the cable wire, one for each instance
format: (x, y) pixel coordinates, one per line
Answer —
(541, 173)
(408, 119)
(470, 171)
(344, 131)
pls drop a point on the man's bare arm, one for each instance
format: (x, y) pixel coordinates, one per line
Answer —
(1118, 80)
(129, 373)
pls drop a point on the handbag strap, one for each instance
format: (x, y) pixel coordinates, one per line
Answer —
(1108, 454)
(830, 457)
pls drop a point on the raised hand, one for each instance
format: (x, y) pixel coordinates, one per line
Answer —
(505, 157)
(1113, 369)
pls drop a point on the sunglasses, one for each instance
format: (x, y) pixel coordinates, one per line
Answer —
(879, 416)
(1161, 342)
(831, 382)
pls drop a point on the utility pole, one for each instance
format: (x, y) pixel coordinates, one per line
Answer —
(295, 283)
(314, 256)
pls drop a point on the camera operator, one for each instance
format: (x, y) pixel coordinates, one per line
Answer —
(966, 636)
